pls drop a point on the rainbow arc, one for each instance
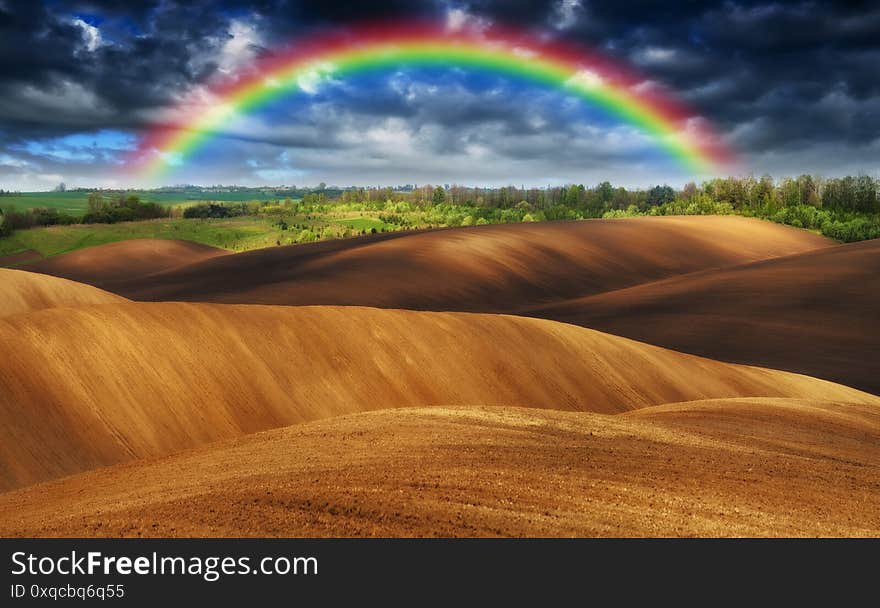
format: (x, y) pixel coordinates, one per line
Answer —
(591, 77)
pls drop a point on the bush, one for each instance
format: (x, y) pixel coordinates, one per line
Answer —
(802, 216)
(306, 236)
(122, 210)
(631, 211)
(13, 220)
(215, 210)
(857, 229)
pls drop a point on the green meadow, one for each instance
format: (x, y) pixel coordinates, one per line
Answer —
(233, 234)
(75, 203)
(71, 203)
(236, 234)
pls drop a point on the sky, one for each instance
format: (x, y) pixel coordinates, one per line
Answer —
(791, 87)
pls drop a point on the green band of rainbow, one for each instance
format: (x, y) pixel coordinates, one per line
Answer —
(576, 74)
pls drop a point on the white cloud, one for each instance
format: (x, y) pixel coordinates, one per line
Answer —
(91, 35)
(566, 13)
(241, 47)
(654, 55)
(11, 161)
(279, 176)
(586, 79)
(174, 159)
(645, 86)
(312, 79)
(458, 19)
(32, 181)
(392, 133)
(524, 52)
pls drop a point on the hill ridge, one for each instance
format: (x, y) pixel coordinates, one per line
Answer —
(102, 384)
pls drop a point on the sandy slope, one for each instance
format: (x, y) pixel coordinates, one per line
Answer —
(495, 471)
(81, 388)
(104, 265)
(800, 427)
(486, 268)
(22, 292)
(815, 313)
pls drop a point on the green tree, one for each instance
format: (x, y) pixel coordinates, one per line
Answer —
(95, 202)
(659, 195)
(605, 191)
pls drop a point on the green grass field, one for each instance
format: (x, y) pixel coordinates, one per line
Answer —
(361, 223)
(233, 234)
(72, 203)
(76, 203)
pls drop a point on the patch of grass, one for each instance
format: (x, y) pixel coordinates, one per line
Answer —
(76, 203)
(233, 234)
(361, 223)
(71, 203)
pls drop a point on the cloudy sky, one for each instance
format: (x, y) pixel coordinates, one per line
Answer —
(792, 87)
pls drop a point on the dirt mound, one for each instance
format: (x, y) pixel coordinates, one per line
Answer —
(495, 472)
(22, 257)
(104, 265)
(93, 386)
(22, 292)
(481, 269)
(813, 313)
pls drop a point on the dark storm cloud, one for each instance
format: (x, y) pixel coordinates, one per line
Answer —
(779, 80)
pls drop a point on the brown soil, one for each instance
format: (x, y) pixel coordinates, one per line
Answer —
(814, 313)
(22, 292)
(93, 386)
(681, 470)
(22, 257)
(104, 265)
(126, 418)
(482, 269)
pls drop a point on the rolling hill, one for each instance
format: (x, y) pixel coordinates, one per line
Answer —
(97, 385)
(106, 264)
(732, 288)
(497, 268)
(680, 470)
(22, 292)
(813, 313)
(269, 401)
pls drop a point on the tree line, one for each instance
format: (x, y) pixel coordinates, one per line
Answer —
(844, 208)
(858, 194)
(101, 210)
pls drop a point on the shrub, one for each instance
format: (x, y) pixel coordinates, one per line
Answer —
(306, 236)
(215, 210)
(857, 229)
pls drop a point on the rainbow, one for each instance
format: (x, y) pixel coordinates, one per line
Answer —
(594, 79)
